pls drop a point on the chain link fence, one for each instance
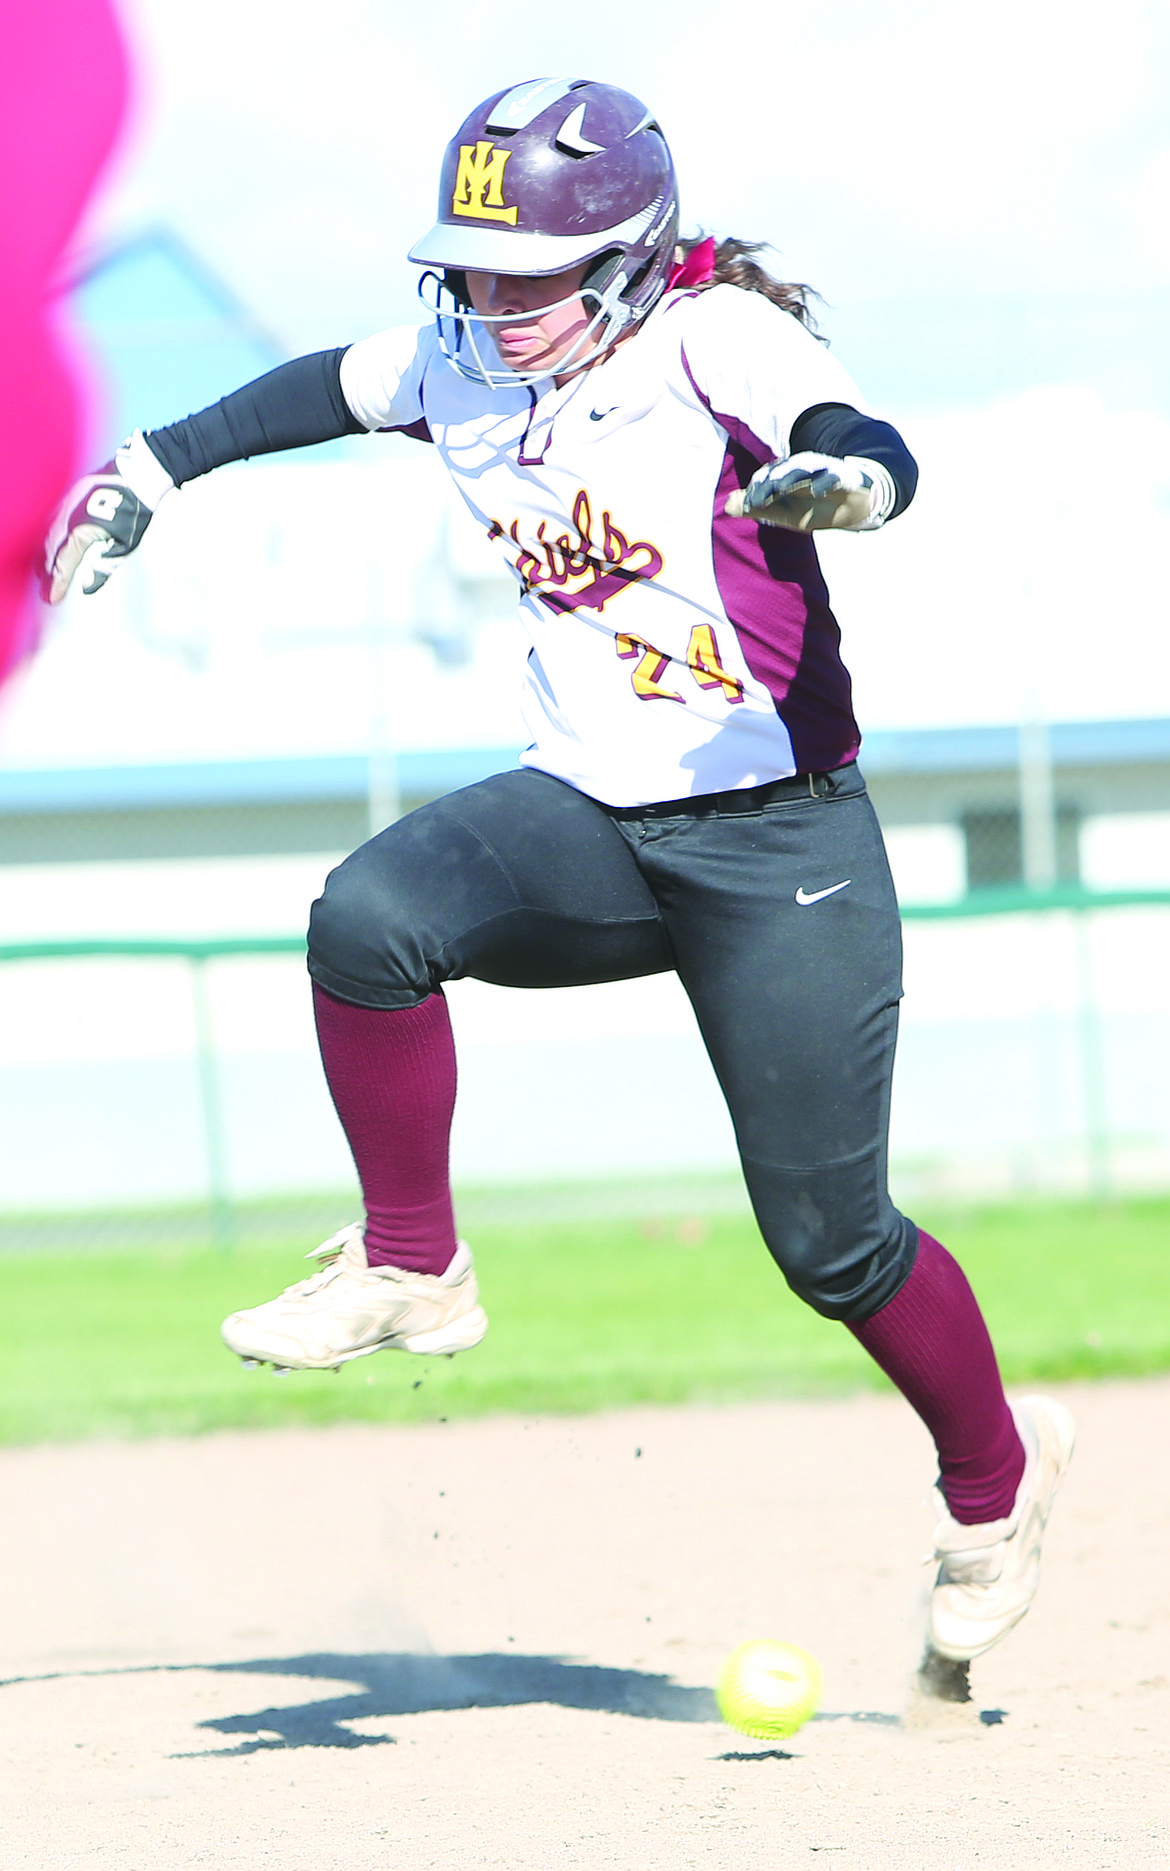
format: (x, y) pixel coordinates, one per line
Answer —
(158, 1070)
(167, 1090)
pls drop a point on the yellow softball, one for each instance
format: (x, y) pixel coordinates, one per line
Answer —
(768, 1690)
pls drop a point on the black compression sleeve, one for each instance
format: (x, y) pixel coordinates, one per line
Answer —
(293, 406)
(838, 429)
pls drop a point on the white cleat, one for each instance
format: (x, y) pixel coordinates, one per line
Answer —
(349, 1309)
(987, 1575)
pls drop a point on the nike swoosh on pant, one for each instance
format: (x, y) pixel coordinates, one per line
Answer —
(804, 897)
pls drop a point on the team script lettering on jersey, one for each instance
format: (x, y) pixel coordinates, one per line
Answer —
(574, 570)
(720, 665)
(479, 183)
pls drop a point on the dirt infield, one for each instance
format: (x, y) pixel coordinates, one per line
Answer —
(491, 1644)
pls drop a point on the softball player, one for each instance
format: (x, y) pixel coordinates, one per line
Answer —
(651, 434)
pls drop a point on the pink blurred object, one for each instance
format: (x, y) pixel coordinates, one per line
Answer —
(63, 86)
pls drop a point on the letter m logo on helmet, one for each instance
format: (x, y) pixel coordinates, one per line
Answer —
(479, 183)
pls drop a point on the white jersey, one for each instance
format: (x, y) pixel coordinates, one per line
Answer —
(674, 651)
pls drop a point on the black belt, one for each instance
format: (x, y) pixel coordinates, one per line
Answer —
(741, 798)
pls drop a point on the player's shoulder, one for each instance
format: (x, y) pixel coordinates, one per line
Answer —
(727, 313)
(725, 304)
(384, 374)
(397, 345)
(738, 346)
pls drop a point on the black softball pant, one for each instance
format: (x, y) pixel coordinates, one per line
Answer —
(777, 910)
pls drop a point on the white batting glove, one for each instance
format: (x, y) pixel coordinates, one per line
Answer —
(809, 493)
(102, 518)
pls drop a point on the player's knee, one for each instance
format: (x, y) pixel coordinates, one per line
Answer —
(842, 1252)
(362, 946)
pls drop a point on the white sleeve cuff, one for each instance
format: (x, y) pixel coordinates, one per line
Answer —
(884, 494)
(142, 470)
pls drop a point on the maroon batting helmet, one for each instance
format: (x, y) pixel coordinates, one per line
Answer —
(543, 177)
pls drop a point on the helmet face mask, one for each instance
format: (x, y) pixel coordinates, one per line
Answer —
(466, 337)
(538, 180)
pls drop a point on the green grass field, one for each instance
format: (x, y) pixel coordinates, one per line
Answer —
(588, 1310)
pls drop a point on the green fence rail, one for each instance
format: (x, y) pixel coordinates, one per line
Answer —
(1017, 901)
(191, 947)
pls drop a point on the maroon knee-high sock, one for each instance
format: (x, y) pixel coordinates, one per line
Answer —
(931, 1342)
(391, 1072)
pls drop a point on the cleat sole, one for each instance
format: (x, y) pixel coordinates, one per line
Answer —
(945, 1679)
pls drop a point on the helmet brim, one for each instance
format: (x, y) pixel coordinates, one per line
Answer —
(512, 250)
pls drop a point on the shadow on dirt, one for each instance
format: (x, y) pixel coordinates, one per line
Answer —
(407, 1684)
(390, 1683)
(759, 1754)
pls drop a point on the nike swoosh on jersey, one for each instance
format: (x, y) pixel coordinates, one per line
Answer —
(596, 415)
(804, 896)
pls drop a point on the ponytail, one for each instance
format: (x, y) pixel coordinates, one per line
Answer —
(735, 266)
